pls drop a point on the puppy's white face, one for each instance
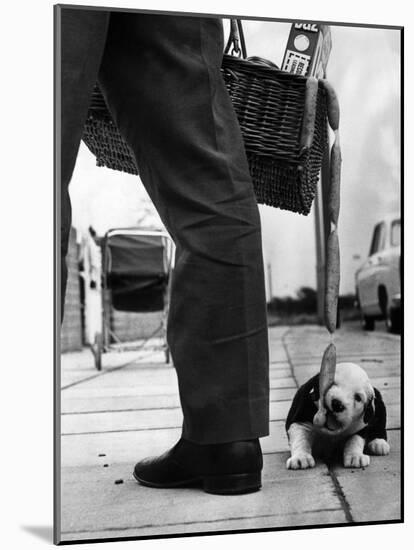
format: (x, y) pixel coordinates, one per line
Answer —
(347, 399)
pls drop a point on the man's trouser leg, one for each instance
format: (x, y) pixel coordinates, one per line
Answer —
(161, 78)
(83, 35)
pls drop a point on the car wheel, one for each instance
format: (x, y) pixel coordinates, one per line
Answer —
(383, 301)
(393, 321)
(368, 323)
(338, 318)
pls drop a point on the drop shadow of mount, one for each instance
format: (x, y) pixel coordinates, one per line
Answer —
(43, 532)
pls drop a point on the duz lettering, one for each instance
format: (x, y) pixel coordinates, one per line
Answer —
(311, 27)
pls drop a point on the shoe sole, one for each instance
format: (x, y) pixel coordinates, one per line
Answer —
(184, 483)
(231, 484)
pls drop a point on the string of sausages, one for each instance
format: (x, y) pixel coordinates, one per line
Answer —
(332, 262)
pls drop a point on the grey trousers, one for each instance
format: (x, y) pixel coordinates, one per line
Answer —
(160, 76)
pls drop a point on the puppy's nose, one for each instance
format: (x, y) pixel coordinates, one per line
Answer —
(337, 406)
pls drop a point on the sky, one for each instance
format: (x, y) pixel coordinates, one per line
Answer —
(364, 69)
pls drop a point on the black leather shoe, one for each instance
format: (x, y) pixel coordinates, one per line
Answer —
(223, 469)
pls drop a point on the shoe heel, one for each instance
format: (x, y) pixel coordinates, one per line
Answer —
(232, 484)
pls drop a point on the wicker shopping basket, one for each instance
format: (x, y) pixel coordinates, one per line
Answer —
(283, 119)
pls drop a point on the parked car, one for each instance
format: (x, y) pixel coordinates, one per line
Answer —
(378, 280)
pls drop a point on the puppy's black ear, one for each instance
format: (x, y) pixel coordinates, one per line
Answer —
(314, 391)
(303, 406)
(369, 410)
(376, 428)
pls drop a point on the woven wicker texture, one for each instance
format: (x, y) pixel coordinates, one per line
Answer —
(270, 107)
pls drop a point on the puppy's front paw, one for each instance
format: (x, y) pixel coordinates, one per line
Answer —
(378, 447)
(300, 462)
(356, 461)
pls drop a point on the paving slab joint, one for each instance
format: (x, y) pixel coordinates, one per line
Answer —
(341, 496)
(288, 357)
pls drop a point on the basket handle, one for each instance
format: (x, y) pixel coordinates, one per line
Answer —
(236, 44)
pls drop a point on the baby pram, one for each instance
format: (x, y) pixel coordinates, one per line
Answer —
(136, 274)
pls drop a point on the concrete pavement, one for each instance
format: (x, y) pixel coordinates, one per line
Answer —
(131, 410)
